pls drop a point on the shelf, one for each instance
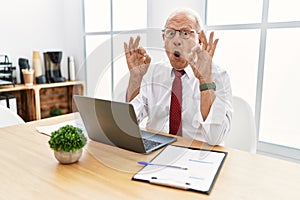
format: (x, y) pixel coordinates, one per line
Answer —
(35, 102)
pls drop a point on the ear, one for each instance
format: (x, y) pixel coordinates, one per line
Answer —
(163, 36)
(199, 40)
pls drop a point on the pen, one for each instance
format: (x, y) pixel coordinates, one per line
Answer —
(172, 166)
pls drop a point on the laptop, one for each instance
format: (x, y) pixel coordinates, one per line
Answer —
(115, 123)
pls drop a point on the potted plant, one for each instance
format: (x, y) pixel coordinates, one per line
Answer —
(55, 112)
(67, 143)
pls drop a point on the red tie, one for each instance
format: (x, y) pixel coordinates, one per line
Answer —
(175, 107)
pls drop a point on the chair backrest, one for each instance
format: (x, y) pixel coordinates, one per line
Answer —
(8, 117)
(242, 135)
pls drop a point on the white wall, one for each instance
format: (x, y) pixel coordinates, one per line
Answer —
(45, 25)
(74, 38)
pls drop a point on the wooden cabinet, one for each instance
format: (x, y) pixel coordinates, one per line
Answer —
(35, 102)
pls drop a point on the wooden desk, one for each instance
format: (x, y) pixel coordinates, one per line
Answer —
(30, 171)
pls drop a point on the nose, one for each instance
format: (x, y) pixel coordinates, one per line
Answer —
(177, 39)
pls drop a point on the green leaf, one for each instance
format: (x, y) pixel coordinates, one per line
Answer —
(67, 138)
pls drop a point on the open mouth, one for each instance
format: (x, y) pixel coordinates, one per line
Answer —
(177, 54)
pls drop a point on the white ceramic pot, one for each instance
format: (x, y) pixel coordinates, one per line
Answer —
(68, 157)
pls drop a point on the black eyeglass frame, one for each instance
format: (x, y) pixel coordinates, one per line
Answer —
(180, 32)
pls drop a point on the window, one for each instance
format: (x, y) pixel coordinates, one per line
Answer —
(240, 65)
(233, 12)
(97, 15)
(283, 11)
(129, 14)
(280, 101)
(108, 23)
(259, 45)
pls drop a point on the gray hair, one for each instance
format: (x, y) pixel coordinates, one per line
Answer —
(187, 11)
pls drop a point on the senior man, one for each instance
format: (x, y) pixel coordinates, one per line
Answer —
(186, 94)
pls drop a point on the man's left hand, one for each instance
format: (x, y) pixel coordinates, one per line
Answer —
(200, 59)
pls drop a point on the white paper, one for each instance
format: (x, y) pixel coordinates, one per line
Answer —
(3, 101)
(49, 129)
(202, 167)
(13, 104)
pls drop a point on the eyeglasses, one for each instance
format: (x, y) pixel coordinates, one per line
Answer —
(183, 33)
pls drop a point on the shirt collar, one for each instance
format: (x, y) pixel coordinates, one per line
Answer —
(188, 70)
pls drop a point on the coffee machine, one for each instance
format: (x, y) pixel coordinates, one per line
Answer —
(52, 60)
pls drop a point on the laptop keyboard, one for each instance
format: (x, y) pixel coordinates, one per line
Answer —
(149, 144)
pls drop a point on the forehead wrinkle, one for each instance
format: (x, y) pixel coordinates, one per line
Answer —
(181, 21)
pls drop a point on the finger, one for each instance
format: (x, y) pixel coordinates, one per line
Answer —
(193, 55)
(131, 44)
(189, 56)
(210, 43)
(136, 42)
(126, 50)
(192, 64)
(203, 39)
(196, 49)
(142, 51)
(212, 52)
(147, 59)
(192, 58)
(140, 56)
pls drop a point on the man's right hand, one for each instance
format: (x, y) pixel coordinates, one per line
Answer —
(138, 60)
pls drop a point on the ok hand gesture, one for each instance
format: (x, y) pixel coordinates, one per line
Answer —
(200, 59)
(138, 60)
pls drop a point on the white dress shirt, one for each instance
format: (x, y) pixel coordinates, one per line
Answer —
(153, 101)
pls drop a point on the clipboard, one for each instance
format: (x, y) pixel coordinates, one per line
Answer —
(184, 168)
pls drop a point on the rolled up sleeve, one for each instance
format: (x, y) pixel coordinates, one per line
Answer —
(218, 122)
